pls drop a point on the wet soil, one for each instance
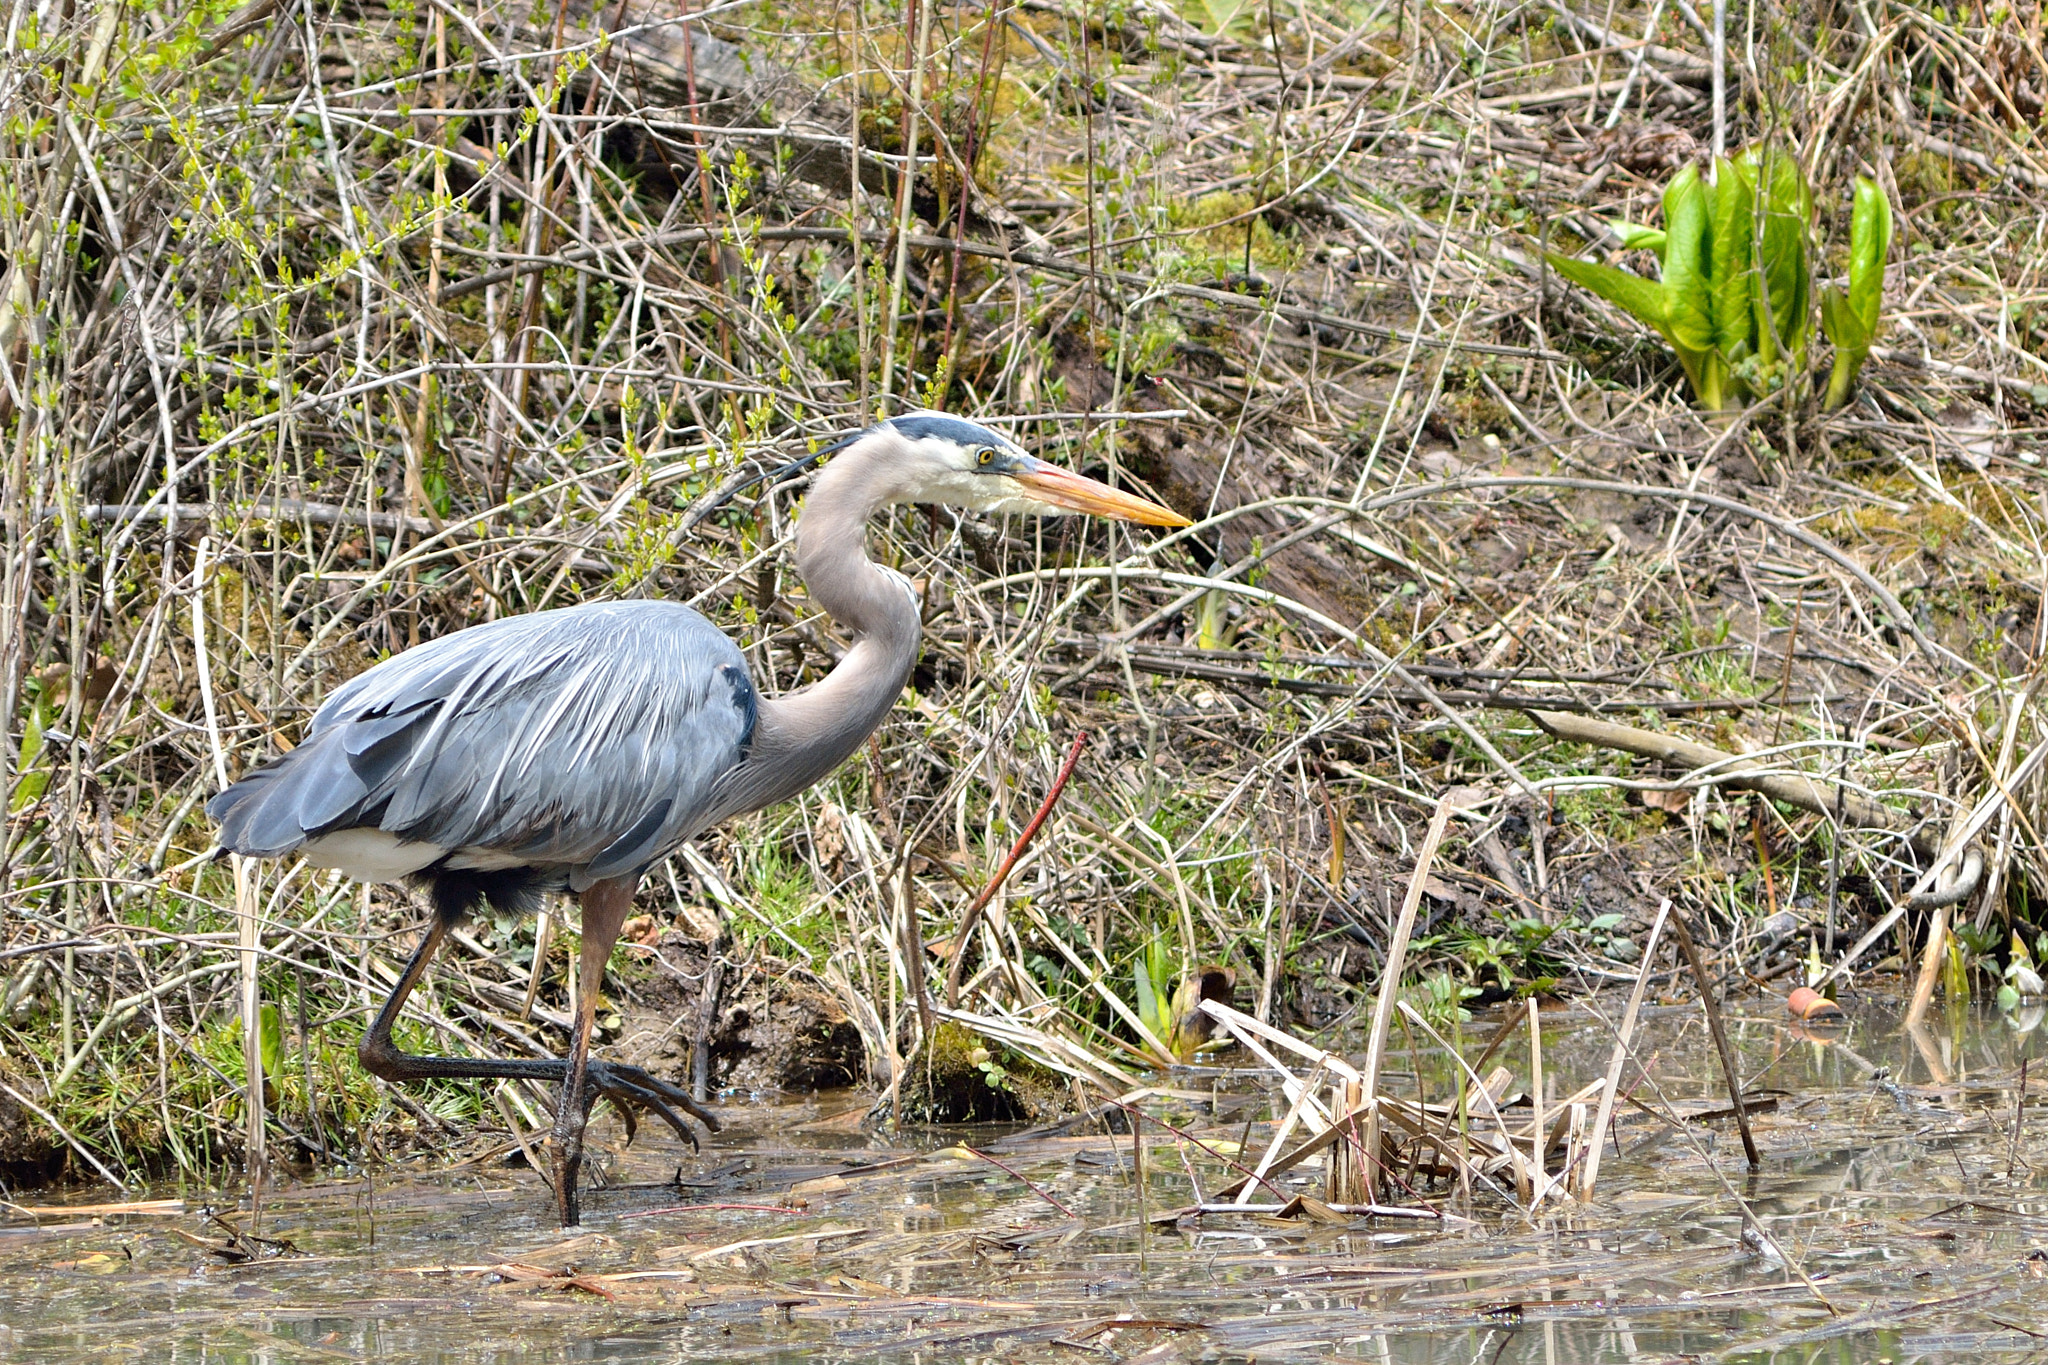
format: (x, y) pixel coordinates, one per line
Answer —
(775, 1028)
(1904, 1175)
(29, 1155)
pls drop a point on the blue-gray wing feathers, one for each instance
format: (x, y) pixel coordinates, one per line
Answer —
(587, 739)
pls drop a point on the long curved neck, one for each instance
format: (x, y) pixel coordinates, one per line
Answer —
(799, 739)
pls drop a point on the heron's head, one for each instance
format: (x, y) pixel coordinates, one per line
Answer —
(937, 458)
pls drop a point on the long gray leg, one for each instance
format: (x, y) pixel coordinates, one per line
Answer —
(624, 1085)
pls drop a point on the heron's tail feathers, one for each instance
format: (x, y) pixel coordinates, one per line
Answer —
(338, 778)
(288, 800)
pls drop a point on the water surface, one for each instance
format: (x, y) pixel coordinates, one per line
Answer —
(1905, 1177)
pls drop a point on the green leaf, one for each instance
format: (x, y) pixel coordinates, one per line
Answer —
(1212, 16)
(270, 1034)
(1211, 622)
(29, 785)
(1731, 254)
(1782, 256)
(1148, 1002)
(1689, 318)
(1870, 242)
(1851, 320)
(1640, 298)
(1839, 321)
(1636, 237)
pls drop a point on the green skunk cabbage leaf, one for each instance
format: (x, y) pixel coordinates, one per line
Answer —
(1731, 204)
(1840, 322)
(1788, 282)
(1636, 237)
(1870, 241)
(1641, 299)
(1851, 320)
(1690, 320)
(1735, 296)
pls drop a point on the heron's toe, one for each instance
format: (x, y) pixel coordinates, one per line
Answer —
(627, 1086)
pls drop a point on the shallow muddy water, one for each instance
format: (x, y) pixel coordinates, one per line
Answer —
(1894, 1177)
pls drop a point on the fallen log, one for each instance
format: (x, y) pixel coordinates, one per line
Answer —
(1833, 800)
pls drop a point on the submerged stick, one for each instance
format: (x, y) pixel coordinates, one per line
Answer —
(1713, 1008)
(971, 917)
(1605, 1115)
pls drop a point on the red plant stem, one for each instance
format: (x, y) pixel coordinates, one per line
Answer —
(972, 915)
(1136, 1115)
(1028, 1182)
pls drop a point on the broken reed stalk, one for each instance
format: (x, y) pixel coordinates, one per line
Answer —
(248, 896)
(1539, 1144)
(248, 927)
(1390, 989)
(1397, 946)
(970, 919)
(1930, 966)
(1591, 1171)
(543, 939)
(1714, 1026)
(1349, 1174)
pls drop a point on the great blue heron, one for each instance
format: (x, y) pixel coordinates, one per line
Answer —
(572, 750)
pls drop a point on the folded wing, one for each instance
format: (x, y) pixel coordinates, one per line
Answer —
(586, 739)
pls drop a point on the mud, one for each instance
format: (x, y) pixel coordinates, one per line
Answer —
(29, 1154)
(777, 1028)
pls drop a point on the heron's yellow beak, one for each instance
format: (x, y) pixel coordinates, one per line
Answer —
(1073, 492)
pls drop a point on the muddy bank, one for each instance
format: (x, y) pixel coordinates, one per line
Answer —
(30, 1154)
(775, 1029)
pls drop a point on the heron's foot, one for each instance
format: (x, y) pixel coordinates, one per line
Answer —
(629, 1087)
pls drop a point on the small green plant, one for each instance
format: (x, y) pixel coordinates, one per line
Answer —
(1850, 319)
(1443, 999)
(1734, 296)
(992, 1071)
(1172, 1014)
(31, 780)
(2022, 977)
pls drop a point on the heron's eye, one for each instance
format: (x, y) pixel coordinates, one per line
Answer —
(986, 456)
